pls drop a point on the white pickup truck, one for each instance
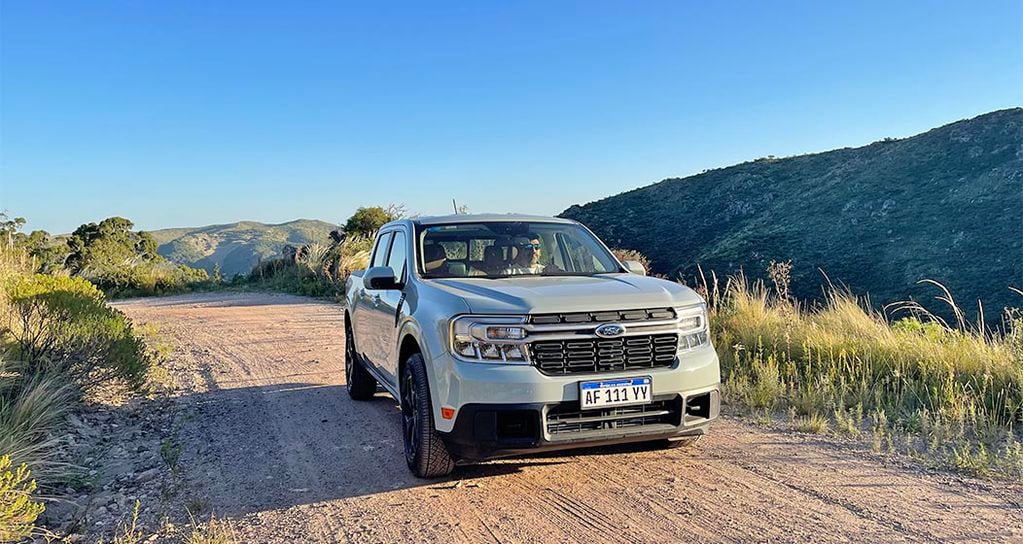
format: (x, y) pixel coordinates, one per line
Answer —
(507, 334)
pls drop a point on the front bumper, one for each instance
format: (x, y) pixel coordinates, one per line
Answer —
(488, 431)
(455, 384)
(504, 410)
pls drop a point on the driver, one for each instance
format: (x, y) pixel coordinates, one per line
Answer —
(527, 261)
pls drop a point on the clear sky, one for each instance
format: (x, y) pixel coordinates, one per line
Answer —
(189, 113)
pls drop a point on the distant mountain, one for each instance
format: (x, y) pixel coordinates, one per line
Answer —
(946, 204)
(237, 247)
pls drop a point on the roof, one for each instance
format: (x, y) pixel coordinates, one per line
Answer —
(488, 218)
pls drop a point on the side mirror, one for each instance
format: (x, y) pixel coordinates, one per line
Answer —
(380, 277)
(635, 267)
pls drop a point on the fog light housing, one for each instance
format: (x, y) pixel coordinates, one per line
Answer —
(690, 341)
(490, 351)
(514, 352)
(465, 349)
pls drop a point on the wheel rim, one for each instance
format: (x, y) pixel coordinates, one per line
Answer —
(409, 419)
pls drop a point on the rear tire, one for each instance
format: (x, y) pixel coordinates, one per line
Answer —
(425, 452)
(675, 443)
(358, 381)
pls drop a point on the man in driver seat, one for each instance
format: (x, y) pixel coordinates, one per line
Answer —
(527, 261)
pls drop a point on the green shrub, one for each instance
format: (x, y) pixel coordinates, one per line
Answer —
(148, 278)
(18, 512)
(62, 326)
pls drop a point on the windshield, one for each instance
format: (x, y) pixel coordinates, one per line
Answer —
(504, 249)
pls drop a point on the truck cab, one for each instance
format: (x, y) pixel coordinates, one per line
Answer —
(504, 335)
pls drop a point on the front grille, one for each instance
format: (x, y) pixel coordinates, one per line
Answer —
(604, 355)
(612, 316)
(568, 419)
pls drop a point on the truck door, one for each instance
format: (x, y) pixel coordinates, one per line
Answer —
(390, 304)
(366, 312)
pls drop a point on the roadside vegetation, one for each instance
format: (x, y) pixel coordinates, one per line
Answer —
(948, 393)
(320, 270)
(59, 340)
(60, 344)
(109, 254)
(316, 270)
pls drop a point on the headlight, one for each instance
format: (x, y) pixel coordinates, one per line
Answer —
(692, 327)
(489, 339)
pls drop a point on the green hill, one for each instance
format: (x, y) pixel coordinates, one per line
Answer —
(946, 204)
(237, 247)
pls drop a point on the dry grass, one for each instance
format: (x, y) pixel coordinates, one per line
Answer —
(949, 389)
(215, 531)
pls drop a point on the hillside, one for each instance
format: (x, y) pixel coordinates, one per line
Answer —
(946, 204)
(237, 247)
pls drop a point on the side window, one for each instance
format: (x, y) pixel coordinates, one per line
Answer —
(380, 251)
(396, 259)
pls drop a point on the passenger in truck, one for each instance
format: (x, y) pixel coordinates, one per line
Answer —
(527, 260)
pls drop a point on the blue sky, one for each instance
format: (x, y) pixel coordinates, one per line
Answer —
(190, 113)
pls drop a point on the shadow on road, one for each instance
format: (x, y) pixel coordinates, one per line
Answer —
(270, 447)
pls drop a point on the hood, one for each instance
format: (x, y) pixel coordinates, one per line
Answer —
(565, 294)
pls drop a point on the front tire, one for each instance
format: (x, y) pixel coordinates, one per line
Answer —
(425, 452)
(358, 381)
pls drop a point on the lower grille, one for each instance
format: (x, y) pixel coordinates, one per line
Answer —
(567, 419)
(604, 355)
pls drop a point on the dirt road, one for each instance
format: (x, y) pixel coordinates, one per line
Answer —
(276, 445)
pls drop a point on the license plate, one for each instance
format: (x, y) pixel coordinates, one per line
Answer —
(620, 392)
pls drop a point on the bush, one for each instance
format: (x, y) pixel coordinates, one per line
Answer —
(18, 512)
(147, 278)
(62, 326)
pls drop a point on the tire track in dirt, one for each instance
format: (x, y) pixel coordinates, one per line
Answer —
(278, 447)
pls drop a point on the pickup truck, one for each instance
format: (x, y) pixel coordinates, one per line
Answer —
(505, 335)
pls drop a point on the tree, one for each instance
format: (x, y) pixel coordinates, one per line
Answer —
(10, 227)
(108, 245)
(48, 255)
(366, 221)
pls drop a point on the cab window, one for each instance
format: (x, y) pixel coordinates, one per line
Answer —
(380, 251)
(396, 259)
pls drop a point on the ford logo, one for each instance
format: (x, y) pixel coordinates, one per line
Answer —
(610, 330)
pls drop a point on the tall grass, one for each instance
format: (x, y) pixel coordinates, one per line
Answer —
(317, 269)
(944, 391)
